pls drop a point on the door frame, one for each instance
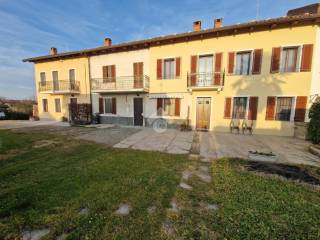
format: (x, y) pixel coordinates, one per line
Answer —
(142, 110)
(195, 107)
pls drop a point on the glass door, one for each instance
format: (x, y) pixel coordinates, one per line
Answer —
(205, 71)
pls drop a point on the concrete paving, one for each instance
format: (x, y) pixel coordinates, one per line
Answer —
(287, 149)
(170, 141)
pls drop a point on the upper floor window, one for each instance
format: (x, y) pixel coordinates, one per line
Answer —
(43, 78)
(168, 68)
(55, 76)
(72, 75)
(243, 62)
(289, 59)
(109, 73)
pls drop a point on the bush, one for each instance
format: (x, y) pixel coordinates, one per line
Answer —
(17, 116)
(314, 125)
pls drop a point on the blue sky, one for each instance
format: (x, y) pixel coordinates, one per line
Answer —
(30, 27)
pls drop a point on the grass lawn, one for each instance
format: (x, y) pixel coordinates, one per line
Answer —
(46, 187)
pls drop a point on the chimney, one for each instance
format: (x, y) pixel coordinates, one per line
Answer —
(305, 10)
(107, 42)
(197, 26)
(218, 23)
(53, 51)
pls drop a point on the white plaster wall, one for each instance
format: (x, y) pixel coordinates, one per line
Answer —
(123, 61)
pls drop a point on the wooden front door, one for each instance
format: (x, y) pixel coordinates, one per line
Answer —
(203, 113)
(138, 110)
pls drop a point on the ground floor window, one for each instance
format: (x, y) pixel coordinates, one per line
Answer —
(168, 107)
(239, 107)
(57, 104)
(45, 105)
(283, 110)
(107, 105)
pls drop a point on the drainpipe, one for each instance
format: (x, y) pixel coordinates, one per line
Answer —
(89, 73)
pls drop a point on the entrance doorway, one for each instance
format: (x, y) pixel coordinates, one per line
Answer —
(138, 110)
(203, 113)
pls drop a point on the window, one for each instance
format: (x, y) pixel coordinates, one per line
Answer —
(108, 105)
(289, 59)
(108, 73)
(205, 70)
(283, 109)
(72, 75)
(43, 78)
(239, 107)
(55, 79)
(45, 105)
(57, 104)
(168, 107)
(169, 68)
(243, 61)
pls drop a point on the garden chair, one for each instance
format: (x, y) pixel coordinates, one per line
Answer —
(247, 126)
(235, 125)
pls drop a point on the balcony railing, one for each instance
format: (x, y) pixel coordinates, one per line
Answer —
(121, 84)
(205, 80)
(60, 86)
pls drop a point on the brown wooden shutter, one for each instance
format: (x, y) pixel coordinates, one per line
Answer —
(253, 108)
(135, 69)
(114, 105)
(178, 67)
(159, 69)
(231, 62)
(257, 60)
(113, 73)
(104, 73)
(177, 107)
(193, 70)
(227, 107)
(271, 104)
(217, 69)
(159, 106)
(275, 60)
(306, 59)
(300, 113)
(101, 105)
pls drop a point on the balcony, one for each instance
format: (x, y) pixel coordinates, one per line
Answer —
(121, 84)
(60, 87)
(204, 81)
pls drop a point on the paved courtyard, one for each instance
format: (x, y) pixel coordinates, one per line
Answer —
(212, 145)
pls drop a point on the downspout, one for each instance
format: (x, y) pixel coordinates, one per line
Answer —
(89, 73)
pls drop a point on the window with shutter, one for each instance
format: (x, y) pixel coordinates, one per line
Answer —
(231, 63)
(178, 67)
(253, 108)
(257, 61)
(227, 107)
(159, 69)
(275, 60)
(271, 103)
(306, 59)
(300, 111)
(193, 71)
(218, 69)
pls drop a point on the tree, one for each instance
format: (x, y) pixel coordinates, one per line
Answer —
(314, 125)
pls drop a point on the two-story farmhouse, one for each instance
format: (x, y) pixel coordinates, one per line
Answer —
(260, 74)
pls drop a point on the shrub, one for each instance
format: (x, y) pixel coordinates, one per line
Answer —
(17, 116)
(314, 125)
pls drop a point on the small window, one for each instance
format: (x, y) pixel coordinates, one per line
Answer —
(72, 75)
(57, 104)
(43, 78)
(168, 106)
(243, 62)
(45, 105)
(239, 107)
(108, 105)
(107, 73)
(289, 59)
(283, 111)
(169, 68)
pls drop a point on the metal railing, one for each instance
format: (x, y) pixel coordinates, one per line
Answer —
(207, 79)
(59, 86)
(121, 83)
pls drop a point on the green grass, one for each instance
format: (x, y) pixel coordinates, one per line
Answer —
(46, 187)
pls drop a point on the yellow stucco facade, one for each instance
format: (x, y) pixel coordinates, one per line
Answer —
(81, 93)
(262, 85)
